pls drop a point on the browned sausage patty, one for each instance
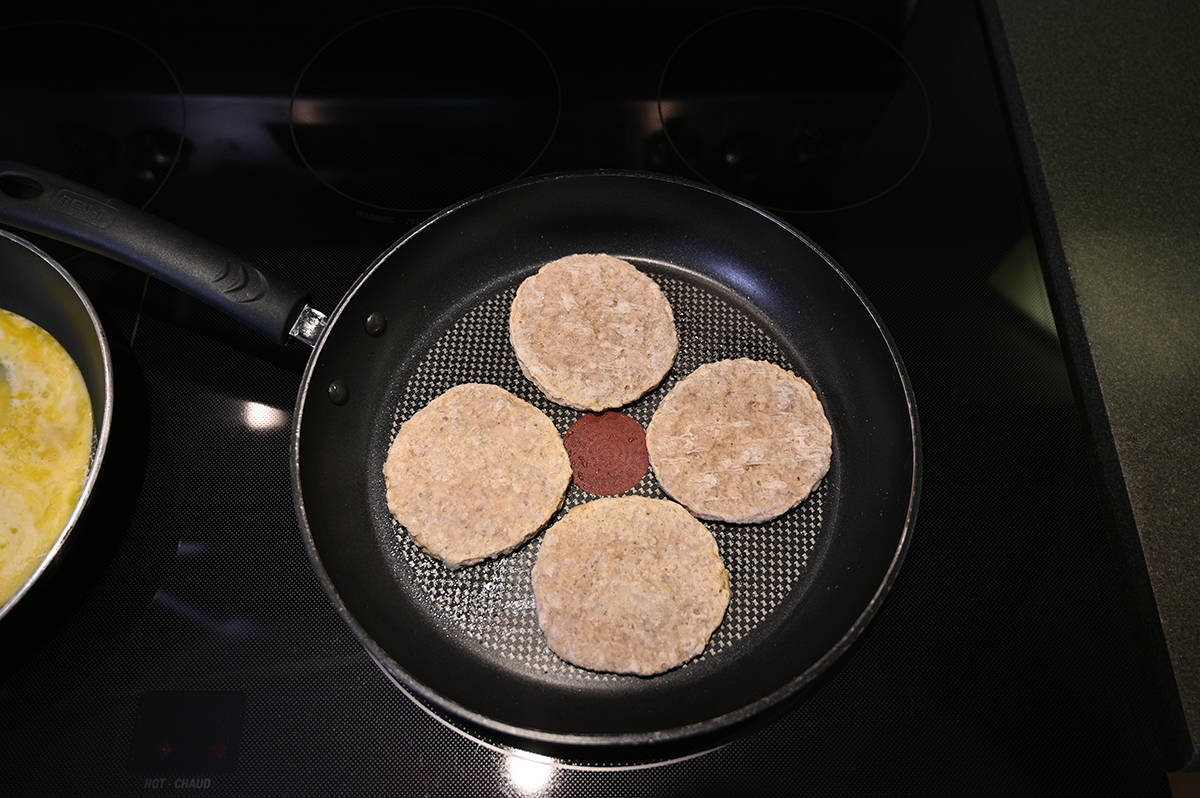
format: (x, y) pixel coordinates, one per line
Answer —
(475, 473)
(739, 440)
(592, 332)
(629, 585)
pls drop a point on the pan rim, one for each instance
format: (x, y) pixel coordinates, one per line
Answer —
(580, 741)
(101, 430)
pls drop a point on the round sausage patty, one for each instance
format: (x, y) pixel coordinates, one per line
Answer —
(739, 440)
(629, 585)
(475, 473)
(592, 332)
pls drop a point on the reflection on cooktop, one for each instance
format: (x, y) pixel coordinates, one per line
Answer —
(795, 109)
(101, 107)
(396, 112)
(194, 615)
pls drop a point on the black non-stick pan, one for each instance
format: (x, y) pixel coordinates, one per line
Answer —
(431, 312)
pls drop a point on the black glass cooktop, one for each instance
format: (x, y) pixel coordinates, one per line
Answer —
(184, 645)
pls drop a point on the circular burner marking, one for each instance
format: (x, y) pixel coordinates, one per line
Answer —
(798, 110)
(100, 107)
(414, 109)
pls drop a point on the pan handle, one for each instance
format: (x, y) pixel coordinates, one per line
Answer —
(40, 202)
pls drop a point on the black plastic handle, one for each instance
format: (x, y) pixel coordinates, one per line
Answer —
(40, 202)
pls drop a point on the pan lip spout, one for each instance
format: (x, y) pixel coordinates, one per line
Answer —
(703, 733)
(100, 426)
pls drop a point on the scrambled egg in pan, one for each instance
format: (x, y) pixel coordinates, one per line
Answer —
(45, 445)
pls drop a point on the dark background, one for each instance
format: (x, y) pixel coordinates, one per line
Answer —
(184, 637)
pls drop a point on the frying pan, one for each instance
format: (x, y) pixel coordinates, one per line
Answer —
(34, 285)
(431, 312)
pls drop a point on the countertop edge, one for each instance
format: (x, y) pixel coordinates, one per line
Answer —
(1178, 730)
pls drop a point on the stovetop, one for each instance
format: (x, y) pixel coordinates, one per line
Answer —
(184, 643)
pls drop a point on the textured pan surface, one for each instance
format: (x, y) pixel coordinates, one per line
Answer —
(492, 602)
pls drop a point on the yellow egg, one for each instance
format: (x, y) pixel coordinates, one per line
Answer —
(45, 445)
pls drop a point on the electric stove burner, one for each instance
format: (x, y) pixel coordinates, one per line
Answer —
(798, 110)
(396, 112)
(92, 104)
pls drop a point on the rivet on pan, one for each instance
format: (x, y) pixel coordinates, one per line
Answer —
(338, 392)
(376, 324)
